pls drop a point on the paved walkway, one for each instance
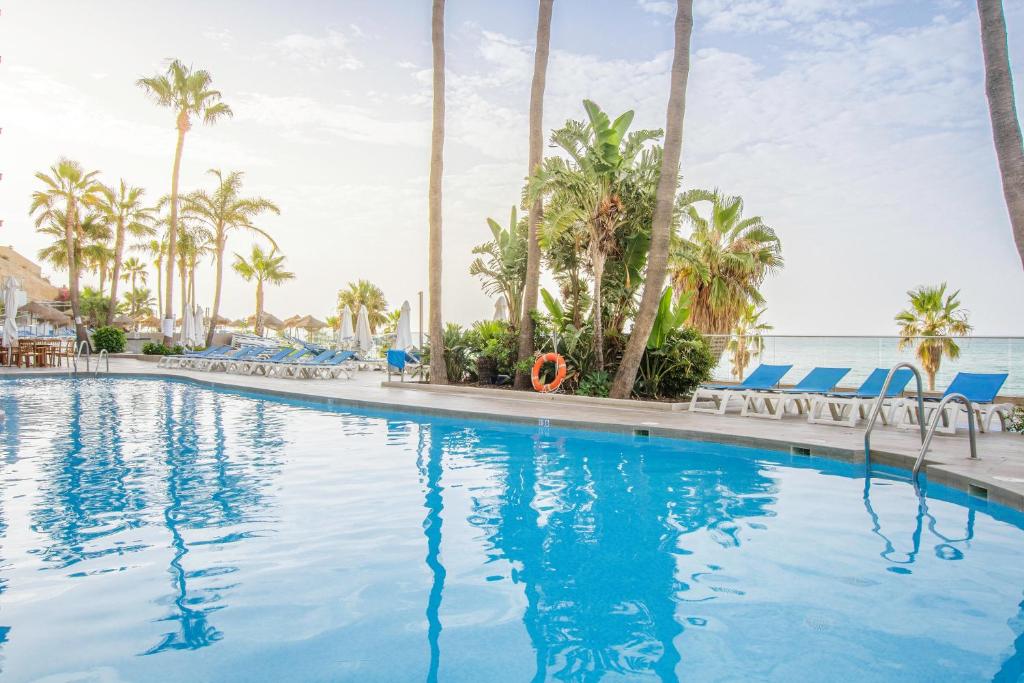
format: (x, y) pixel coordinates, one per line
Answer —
(999, 473)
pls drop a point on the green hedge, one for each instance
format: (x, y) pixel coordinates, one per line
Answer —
(111, 339)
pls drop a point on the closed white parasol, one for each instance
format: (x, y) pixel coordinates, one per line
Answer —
(403, 337)
(364, 340)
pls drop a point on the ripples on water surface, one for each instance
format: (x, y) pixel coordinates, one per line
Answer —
(158, 531)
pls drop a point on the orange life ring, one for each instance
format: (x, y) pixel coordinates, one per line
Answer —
(560, 371)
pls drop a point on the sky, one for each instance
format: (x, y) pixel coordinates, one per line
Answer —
(858, 129)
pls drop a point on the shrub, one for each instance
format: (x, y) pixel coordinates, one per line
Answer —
(493, 339)
(1016, 421)
(675, 368)
(595, 383)
(457, 358)
(158, 349)
(112, 339)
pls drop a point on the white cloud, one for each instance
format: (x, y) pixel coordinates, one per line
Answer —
(223, 38)
(306, 119)
(657, 7)
(317, 53)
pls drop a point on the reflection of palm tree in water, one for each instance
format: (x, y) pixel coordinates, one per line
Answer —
(202, 495)
(593, 539)
(85, 494)
(430, 471)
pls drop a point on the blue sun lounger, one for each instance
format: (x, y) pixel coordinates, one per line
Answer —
(847, 408)
(252, 364)
(176, 359)
(774, 403)
(399, 361)
(295, 367)
(212, 363)
(981, 389)
(762, 378)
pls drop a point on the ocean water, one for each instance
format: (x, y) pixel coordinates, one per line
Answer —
(160, 531)
(863, 354)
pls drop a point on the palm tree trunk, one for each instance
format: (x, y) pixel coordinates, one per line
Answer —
(69, 242)
(216, 287)
(116, 275)
(258, 325)
(532, 286)
(160, 287)
(1003, 112)
(172, 232)
(597, 259)
(661, 224)
(184, 287)
(438, 372)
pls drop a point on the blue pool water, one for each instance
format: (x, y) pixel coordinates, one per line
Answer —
(159, 531)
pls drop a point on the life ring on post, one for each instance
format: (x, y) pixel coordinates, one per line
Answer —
(560, 371)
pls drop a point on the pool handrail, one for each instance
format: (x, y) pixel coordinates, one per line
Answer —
(877, 408)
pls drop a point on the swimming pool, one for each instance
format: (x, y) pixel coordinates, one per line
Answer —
(157, 530)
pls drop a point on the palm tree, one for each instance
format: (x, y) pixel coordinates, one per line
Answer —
(585, 189)
(262, 268)
(747, 340)
(122, 207)
(723, 262)
(365, 293)
(438, 372)
(504, 271)
(661, 226)
(138, 303)
(223, 211)
(97, 257)
(533, 254)
(195, 241)
(90, 249)
(157, 250)
(1003, 111)
(133, 269)
(189, 94)
(930, 322)
(67, 188)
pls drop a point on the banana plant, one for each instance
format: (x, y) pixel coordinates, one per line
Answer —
(670, 317)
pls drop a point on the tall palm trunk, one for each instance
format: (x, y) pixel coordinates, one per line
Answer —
(69, 242)
(661, 224)
(115, 277)
(438, 372)
(532, 285)
(217, 284)
(597, 259)
(184, 287)
(160, 287)
(258, 325)
(172, 230)
(1003, 112)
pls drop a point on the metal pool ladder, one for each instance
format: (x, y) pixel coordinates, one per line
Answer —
(103, 356)
(81, 348)
(926, 432)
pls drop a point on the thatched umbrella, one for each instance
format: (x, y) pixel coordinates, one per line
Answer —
(269, 320)
(47, 313)
(122, 321)
(220, 321)
(293, 321)
(310, 325)
(150, 322)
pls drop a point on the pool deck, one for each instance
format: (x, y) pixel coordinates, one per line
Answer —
(998, 473)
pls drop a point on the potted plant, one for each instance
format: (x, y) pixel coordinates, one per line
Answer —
(487, 362)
